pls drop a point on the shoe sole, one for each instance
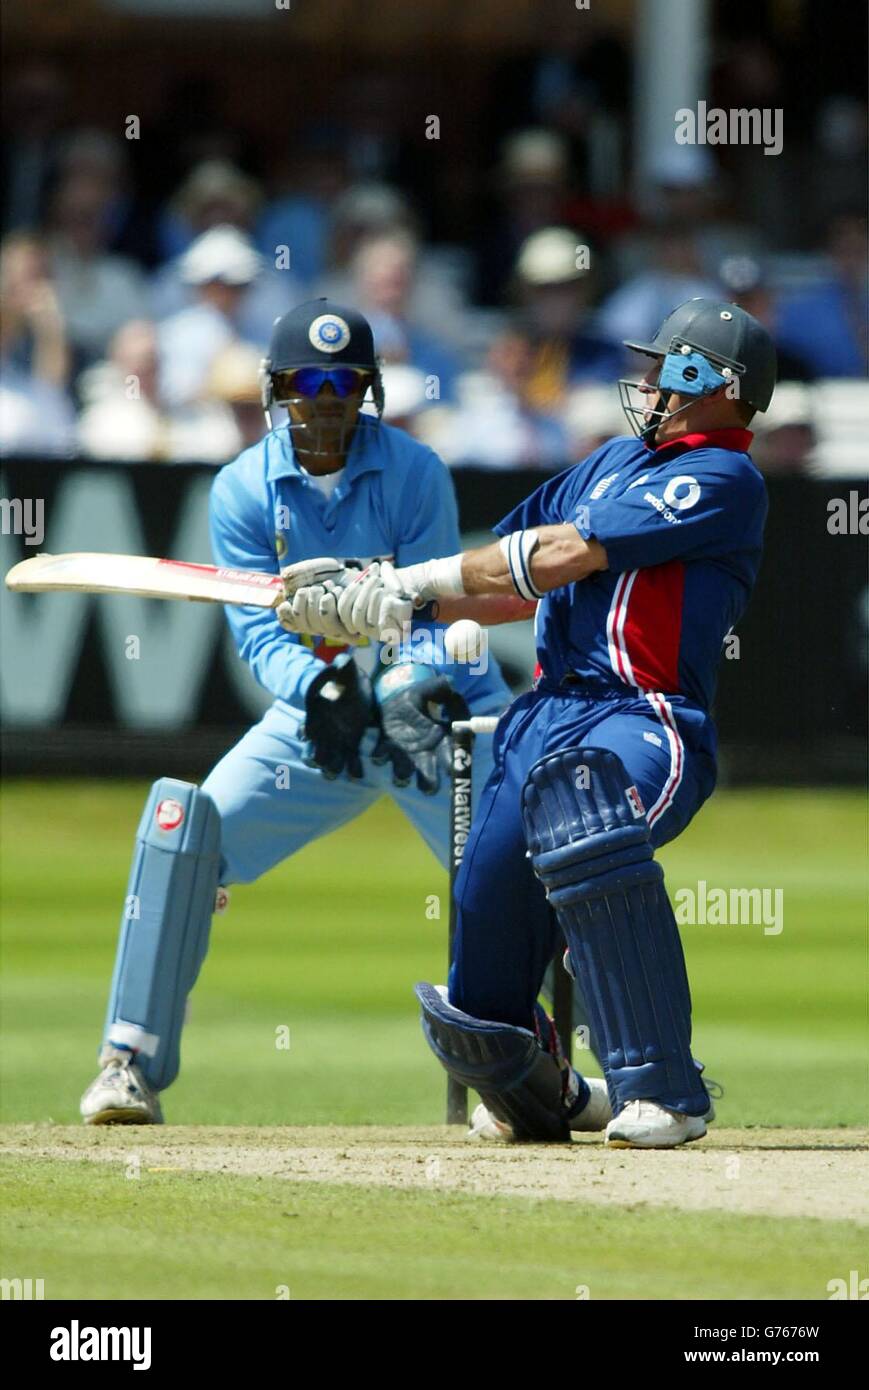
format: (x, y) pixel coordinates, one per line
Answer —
(631, 1144)
(119, 1117)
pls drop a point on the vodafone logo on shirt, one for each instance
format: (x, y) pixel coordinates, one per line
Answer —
(679, 494)
(682, 493)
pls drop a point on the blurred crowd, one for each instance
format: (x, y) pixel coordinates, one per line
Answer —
(133, 330)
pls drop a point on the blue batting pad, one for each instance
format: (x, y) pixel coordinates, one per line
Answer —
(516, 1080)
(589, 843)
(165, 926)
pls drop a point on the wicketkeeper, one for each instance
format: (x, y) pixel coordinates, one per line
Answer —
(345, 727)
(643, 557)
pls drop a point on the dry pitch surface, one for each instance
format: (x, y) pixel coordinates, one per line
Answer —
(752, 1172)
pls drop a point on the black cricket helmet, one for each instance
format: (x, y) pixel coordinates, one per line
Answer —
(703, 345)
(330, 337)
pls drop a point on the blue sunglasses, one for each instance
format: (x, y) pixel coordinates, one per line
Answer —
(308, 381)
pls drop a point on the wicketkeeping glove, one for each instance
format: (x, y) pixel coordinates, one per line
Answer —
(339, 707)
(416, 706)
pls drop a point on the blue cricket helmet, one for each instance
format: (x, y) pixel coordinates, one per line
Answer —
(322, 334)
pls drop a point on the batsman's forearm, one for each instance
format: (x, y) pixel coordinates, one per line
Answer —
(560, 556)
(489, 610)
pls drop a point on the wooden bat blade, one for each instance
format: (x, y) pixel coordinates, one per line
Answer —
(97, 573)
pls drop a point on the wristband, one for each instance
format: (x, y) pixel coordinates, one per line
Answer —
(517, 549)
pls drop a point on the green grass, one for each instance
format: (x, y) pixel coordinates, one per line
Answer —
(220, 1236)
(328, 946)
(330, 943)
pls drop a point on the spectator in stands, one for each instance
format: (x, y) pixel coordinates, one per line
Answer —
(532, 187)
(216, 195)
(98, 291)
(554, 284)
(126, 417)
(687, 188)
(382, 287)
(838, 169)
(495, 424)
(826, 323)
(233, 399)
(90, 153)
(785, 436)
(404, 395)
(36, 95)
(671, 274)
(363, 211)
(123, 417)
(36, 412)
(219, 267)
(745, 281)
(307, 184)
(437, 304)
(32, 328)
(592, 415)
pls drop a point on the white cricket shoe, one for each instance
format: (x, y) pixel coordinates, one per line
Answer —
(120, 1095)
(643, 1124)
(594, 1116)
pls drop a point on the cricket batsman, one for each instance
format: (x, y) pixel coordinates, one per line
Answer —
(643, 557)
(345, 726)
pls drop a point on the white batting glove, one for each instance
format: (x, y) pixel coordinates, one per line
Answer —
(308, 572)
(313, 610)
(374, 603)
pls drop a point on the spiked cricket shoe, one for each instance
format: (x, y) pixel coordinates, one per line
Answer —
(120, 1095)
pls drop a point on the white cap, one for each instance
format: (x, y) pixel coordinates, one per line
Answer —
(223, 253)
(548, 257)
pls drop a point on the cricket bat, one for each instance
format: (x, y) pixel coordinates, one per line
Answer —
(96, 573)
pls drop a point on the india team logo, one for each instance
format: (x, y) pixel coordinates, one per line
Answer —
(170, 814)
(329, 333)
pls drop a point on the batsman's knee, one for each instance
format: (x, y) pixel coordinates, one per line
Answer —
(585, 826)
